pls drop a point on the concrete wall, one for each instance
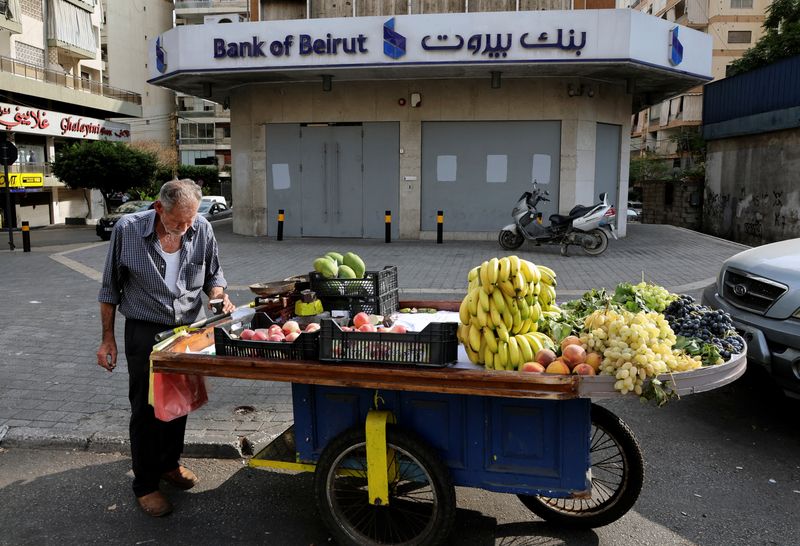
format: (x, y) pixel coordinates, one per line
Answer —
(255, 105)
(752, 195)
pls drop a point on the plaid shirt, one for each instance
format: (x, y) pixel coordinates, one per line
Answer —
(133, 277)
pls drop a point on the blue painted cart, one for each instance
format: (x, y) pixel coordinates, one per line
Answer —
(387, 445)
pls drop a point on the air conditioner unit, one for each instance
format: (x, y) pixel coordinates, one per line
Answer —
(223, 18)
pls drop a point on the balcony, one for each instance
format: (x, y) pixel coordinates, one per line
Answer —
(55, 77)
(183, 7)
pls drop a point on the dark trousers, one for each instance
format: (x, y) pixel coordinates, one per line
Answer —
(156, 446)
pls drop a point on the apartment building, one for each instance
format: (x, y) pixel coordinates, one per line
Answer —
(204, 127)
(343, 111)
(733, 25)
(124, 37)
(52, 92)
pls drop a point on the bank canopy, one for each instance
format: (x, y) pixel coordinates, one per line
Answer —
(649, 57)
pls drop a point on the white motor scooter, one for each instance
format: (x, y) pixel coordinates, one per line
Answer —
(588, 227)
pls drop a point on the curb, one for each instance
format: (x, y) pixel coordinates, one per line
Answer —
(197, 445)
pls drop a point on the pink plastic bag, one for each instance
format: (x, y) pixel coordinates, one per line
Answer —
(175, 395)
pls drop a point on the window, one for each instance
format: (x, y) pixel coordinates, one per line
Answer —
(741, 4)
(739, 36)
(196, 133)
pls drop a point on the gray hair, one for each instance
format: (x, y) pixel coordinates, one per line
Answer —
(179, 192)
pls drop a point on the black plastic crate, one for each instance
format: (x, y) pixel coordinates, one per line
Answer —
(305, 347)
(374, 284)
(385, 304)
(435, 346)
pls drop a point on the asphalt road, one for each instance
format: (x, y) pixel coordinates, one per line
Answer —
(722, 467)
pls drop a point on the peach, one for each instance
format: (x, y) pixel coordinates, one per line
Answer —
(583, 369)
(312, 327)
(545, 357)
(594, 360)
(259, 336)
(398, 329)
(276, 337)
(246, 334)
(291, 326)
(275, 329)
(573, 355)
(367, 328)
(291, 336)
(557, 366)
(534, 367)
(361, 319)
(569, 340)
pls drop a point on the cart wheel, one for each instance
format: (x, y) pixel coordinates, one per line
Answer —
(617, 477)
(422, 504)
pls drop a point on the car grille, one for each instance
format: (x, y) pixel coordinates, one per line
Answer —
(750, 292)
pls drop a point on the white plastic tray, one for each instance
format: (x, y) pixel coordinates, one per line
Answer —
(691, 382)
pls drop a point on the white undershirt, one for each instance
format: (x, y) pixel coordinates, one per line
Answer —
(172, 265)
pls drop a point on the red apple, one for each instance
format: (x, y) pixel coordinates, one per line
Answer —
(532, 367)
(259, 335)
(583, 369)
(291, 336)
(545, 357)
(291, 326)
(247, 334)
(573, 355)
(361, 319)
(312, 327)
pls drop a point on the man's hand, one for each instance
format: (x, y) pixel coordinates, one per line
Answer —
(216, 294)
(107, 354)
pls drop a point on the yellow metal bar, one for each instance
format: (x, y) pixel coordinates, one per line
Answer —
(281, 217)
(377, 455)
(283, 465)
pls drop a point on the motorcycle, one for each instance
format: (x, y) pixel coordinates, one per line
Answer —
(588, 227)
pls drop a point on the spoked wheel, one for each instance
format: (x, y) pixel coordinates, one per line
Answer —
(595, 242)
(617, 477)
(510, 240)
(422, 503)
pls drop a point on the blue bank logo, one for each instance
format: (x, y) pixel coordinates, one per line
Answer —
(394, 44)
(675, 47)
(161, 57)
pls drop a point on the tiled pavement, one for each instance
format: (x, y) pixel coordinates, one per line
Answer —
(53, 394)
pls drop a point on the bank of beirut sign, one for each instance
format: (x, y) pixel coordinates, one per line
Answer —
(23, 119)
(436, 39)
(23, 180)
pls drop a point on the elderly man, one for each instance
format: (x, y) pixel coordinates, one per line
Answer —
(158, 264)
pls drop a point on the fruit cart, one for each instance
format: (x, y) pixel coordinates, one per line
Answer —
(387, 443)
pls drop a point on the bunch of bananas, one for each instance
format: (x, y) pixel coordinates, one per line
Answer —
(499, 317)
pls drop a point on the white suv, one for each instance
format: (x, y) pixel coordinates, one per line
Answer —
(760, 289)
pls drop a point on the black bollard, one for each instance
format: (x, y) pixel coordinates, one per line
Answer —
(281, 217)
(26, 237)
(439, 226)
(387, 219)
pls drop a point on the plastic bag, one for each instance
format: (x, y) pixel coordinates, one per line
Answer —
(175, 395)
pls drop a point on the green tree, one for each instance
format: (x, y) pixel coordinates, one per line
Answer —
(649, 166)
(781, 38)
(105, 166)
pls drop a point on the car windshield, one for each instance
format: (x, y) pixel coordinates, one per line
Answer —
(205, 206)
(133, 206)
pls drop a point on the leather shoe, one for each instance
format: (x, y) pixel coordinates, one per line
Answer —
(181, 477)
(154, 504)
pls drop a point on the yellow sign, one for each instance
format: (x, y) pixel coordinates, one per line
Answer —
(23, 180)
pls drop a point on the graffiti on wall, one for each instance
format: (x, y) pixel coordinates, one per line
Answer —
(752, 217)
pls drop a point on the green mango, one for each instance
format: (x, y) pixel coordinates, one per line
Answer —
(338, 258)
(356, 264)
(326, 267)
(346, 272)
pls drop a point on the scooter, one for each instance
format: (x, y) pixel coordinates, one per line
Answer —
(588, 227)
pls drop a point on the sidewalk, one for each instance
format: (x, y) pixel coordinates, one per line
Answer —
(53, 394)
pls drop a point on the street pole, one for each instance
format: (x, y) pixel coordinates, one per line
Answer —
(8, 153)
